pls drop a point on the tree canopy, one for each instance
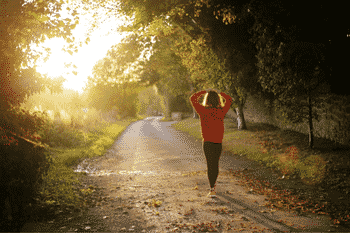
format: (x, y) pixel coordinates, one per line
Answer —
(22, 24)
(222, 44)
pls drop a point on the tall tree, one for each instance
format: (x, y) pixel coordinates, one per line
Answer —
(162, 67)
(174, 76)
(110, 88)
(23, 23)
(295, 71)
(207, 69)
(313, 23)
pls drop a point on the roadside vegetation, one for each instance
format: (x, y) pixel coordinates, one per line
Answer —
(322, 172)
(58, 187)
(265, 144)
(67, 131)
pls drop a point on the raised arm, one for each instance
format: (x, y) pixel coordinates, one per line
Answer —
(228, 101)
(194, 100)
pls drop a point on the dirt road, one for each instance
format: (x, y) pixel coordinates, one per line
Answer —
(153, 179)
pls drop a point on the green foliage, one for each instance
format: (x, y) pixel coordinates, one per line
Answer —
(23, 24)
(58, 186)
(312, 169)
(174, 75)
(60, 181)
(148, 101)
(180, 104)
(21, 122)
(54, 85)
(60, 134)
(190, 28)
(294, 71)
(110, 85)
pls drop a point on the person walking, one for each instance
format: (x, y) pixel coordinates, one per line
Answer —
(212, 113)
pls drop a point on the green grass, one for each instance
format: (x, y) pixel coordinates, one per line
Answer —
(190, 126)
(60, 180)
(311, 168)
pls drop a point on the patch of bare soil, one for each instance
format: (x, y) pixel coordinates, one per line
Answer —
(165, 203)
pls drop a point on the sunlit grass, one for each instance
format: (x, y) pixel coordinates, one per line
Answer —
(59, 182)
(72, 131)
(190, 126)
(166, 119)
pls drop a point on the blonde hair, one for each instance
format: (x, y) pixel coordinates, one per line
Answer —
(214, 99)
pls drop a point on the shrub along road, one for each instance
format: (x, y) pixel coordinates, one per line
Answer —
(154, 179)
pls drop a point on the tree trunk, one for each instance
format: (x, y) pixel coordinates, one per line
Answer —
(241, 125)
(195, 114)
(311, 127)
(167, 112)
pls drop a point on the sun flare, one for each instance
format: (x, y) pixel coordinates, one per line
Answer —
(76, 67)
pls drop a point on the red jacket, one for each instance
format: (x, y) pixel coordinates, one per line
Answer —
(212, 119)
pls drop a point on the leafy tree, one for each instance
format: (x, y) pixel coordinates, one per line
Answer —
(163, 68)
(54, 85)
(312, 23)
(115, 94)
(217, 24)
(294, 71)
(148, 100)
(174, 75)
(295, 56)
(200, 45)
(207, 69)
(47, 88)
(148, 76)
(24, 23)
(110, 87)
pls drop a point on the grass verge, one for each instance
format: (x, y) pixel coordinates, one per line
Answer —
(265, 144)
(60, 180)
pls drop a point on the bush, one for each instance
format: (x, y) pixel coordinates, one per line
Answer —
(57, 188)
(60, 182)
(99, 147)
(22, 167)
(60, 134)
(312, 170)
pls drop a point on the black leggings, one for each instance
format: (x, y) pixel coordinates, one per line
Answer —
(212, 152)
